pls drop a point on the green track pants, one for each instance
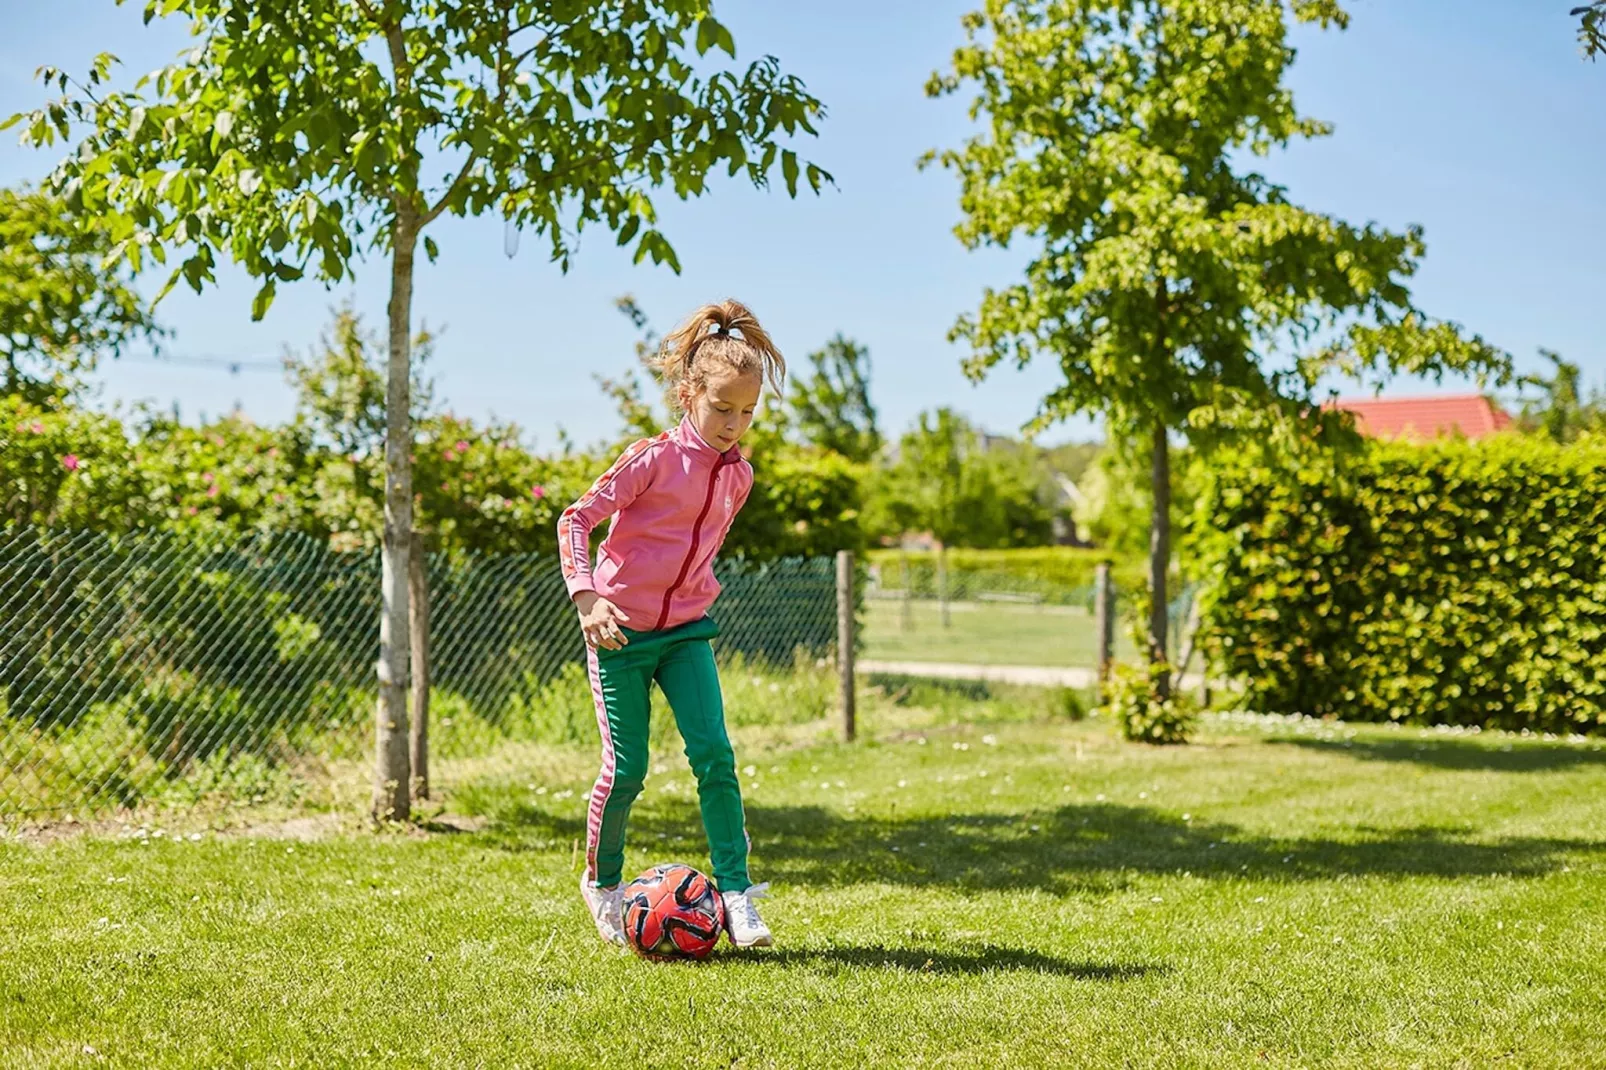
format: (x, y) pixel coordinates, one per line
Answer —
(681, 662)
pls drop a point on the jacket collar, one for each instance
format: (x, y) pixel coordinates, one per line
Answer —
(692, 442)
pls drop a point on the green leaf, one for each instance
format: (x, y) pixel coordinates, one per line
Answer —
(789, 170)
(430, 249)
(263, 300)
(628, 231)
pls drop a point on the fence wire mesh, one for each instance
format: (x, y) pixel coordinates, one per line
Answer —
(998, 617)
(144, 668)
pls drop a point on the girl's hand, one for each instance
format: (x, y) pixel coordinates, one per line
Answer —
(600, 620)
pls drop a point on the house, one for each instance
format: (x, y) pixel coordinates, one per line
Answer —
(1470, 416)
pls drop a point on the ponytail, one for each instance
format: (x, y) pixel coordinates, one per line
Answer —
(724, 335)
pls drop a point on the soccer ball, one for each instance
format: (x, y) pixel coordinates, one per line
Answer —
(673, 912)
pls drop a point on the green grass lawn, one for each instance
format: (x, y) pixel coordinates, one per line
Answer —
(985, 633)
(1031, 892)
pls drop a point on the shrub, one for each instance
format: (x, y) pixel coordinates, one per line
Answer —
(1143, 715)
(1458, 583)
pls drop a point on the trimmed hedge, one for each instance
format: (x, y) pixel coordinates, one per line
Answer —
(1062, 575)
(1458, 583)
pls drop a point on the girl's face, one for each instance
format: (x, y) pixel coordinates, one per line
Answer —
(723, 410)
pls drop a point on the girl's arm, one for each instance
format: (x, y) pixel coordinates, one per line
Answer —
(615, 490)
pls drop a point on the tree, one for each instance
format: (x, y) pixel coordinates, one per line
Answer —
(832, 408)
(300, 135)
(1560, 412)
(1592, 27)
(1179, 291)
(946, 480)
(641, 420)
(60, 308)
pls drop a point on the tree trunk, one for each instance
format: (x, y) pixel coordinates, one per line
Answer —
(418, 587)
(392, 775)
(1159, 558)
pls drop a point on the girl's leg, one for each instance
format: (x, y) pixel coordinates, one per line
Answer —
(690, 682)
(620, 686)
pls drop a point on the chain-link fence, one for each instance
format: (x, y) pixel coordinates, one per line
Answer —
(1003, 624)
(133, 668)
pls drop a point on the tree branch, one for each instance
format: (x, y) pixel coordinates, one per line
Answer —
(432, 213)
(502, 81)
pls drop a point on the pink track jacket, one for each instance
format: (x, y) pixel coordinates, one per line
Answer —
(672, 498)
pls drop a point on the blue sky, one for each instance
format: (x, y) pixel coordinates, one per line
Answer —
(1475, 118)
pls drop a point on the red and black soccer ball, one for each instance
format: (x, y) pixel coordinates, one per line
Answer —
(673, 912)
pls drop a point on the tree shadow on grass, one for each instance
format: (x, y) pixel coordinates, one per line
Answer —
(1073, 848)
(1460, 754)
(983, 960)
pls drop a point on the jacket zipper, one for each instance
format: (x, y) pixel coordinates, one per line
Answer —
(696, 541)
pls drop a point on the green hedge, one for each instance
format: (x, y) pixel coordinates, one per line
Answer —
(1453, 584)
(1062, 575)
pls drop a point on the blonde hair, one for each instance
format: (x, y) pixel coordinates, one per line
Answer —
(726, 335)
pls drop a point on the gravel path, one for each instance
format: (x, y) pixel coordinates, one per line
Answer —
(1036, 675)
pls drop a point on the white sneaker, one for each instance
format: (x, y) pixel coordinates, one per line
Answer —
(746, 928)
(606, 907)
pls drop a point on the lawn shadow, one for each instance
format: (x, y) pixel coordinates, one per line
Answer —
(1522, 757)
(1095, 848)
(983, 960)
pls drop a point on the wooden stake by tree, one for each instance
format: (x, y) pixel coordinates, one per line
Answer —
(1179, 291)
(293, 138)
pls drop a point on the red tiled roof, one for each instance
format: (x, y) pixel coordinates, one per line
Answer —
(1471, 415)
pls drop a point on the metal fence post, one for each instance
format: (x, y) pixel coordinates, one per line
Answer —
(845, 640)
(418, 740)
(1103, 622)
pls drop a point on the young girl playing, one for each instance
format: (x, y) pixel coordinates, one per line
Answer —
(644, 609)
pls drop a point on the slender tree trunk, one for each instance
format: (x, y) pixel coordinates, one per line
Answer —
(392, 775)
(418, 575)
(1159, 557)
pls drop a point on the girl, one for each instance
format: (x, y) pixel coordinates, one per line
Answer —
(644, 609)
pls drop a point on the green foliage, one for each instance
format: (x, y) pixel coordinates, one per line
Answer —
(1073, 459)
(61, 307)
(1592, 27)
(228, 476)
(805, 503)
(1458, 583)
(1117, 501)
(297, 161)
(965, 492)
(1071, 704)
(1176, 288)
(1166, 270)
(65, 466)
(831, 409)
(1133, 699)
(1559, 411)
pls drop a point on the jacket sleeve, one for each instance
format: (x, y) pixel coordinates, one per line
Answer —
(616, 489)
